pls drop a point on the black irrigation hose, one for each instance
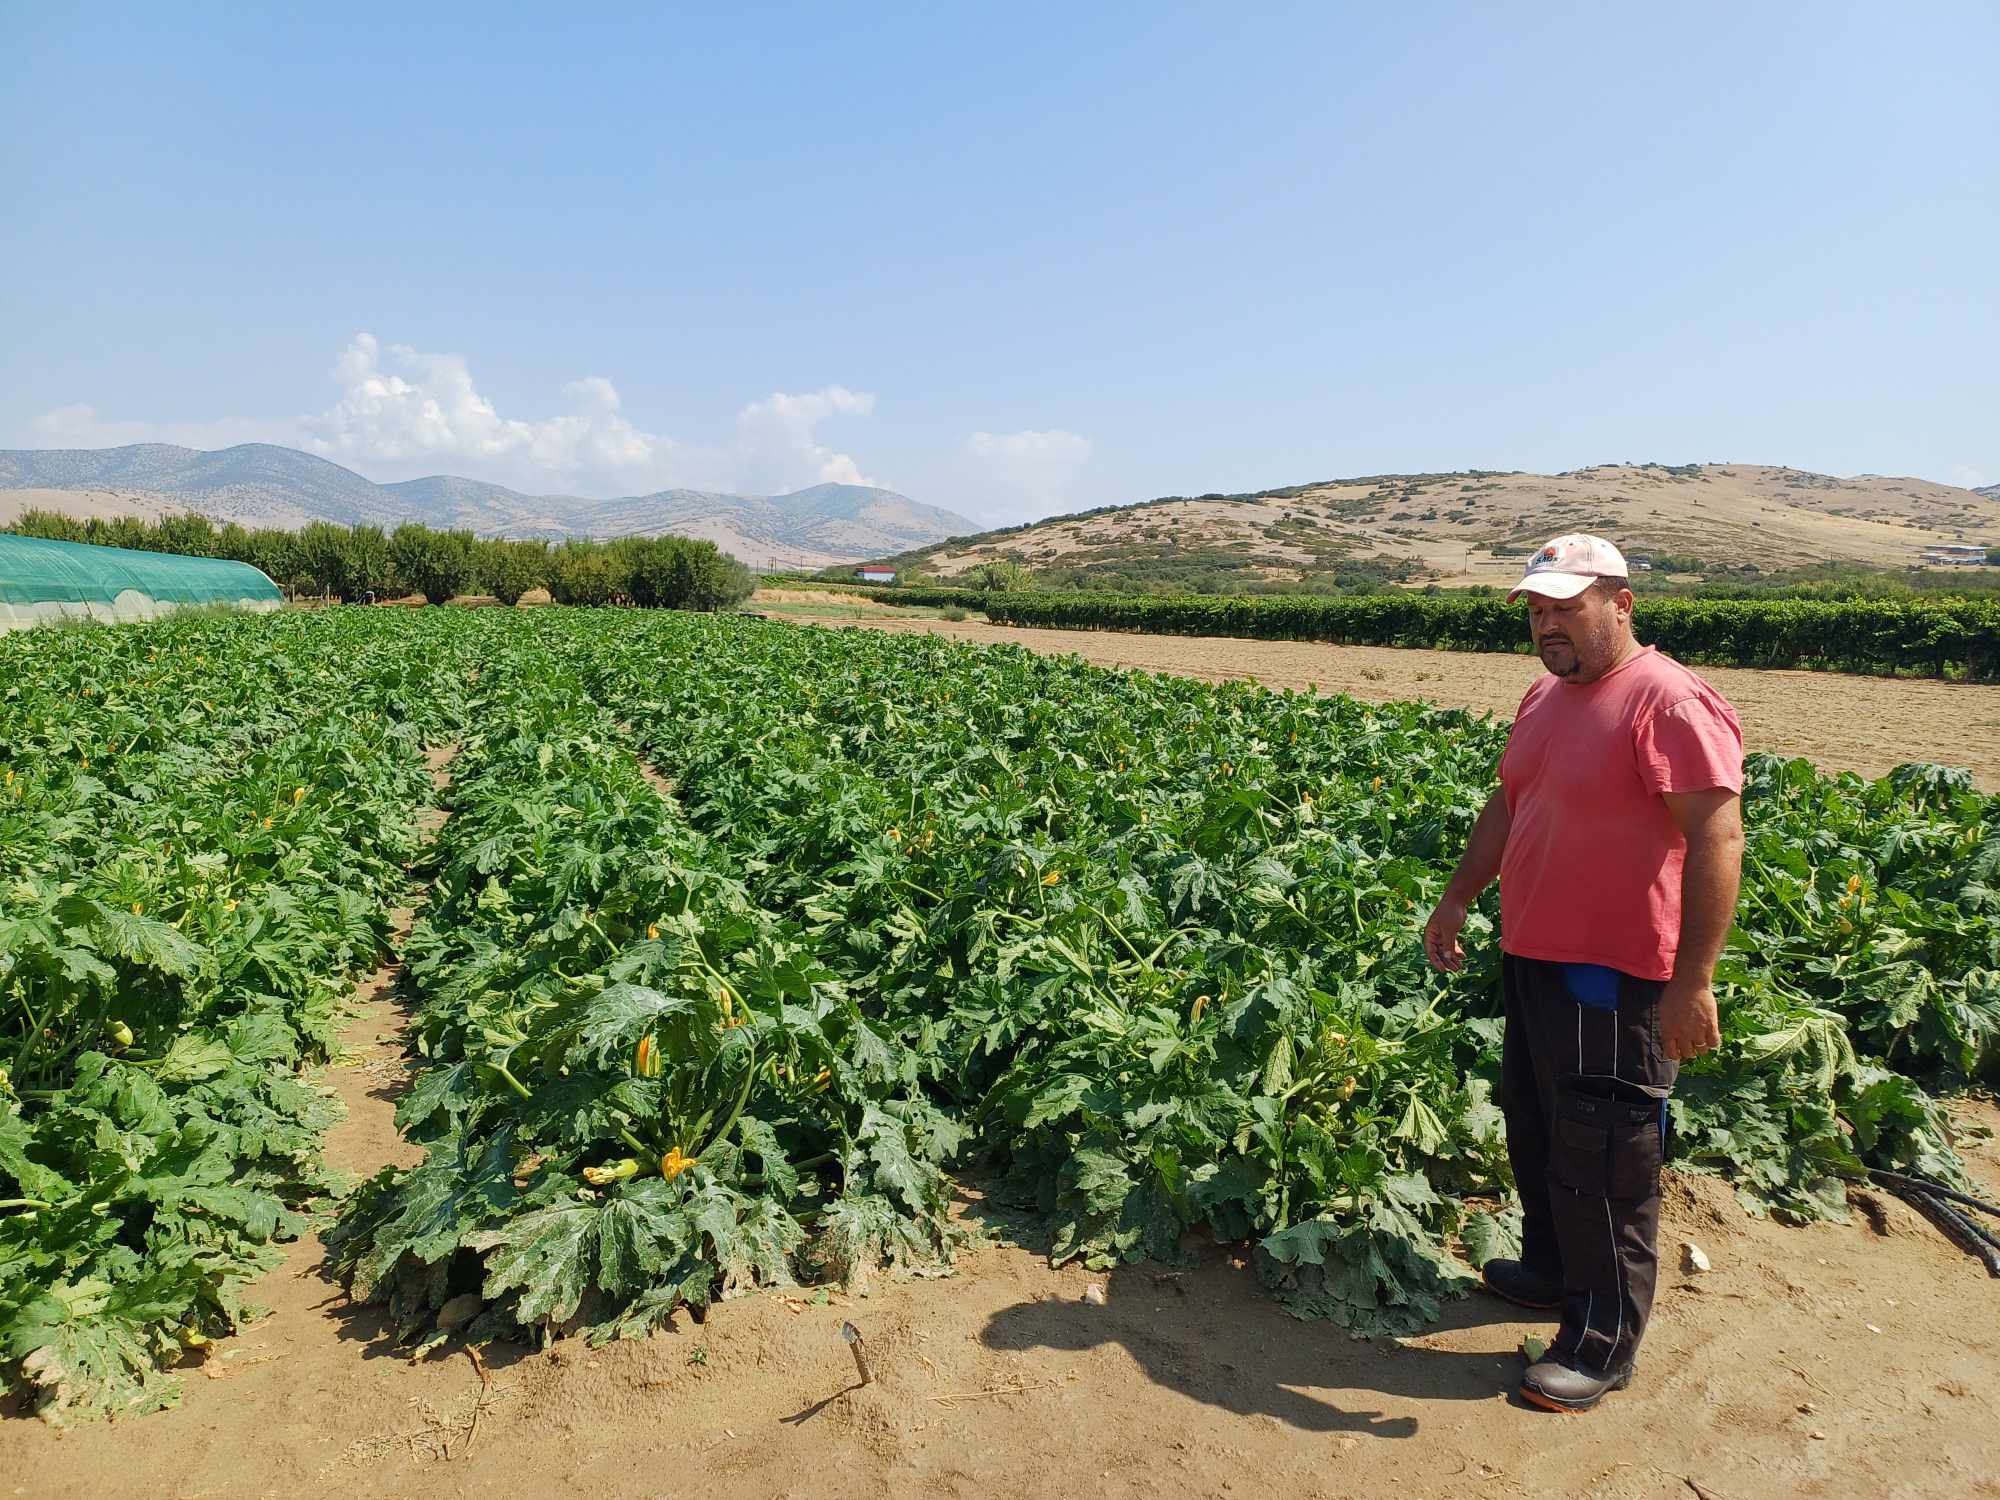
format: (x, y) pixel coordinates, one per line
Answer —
(1961, 1231)
(1981, 1230)
(1936, 1189)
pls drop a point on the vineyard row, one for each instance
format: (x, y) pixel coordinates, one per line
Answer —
(1957, 638)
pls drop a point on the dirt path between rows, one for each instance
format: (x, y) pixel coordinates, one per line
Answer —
(1829, 1361)
(1865, 724)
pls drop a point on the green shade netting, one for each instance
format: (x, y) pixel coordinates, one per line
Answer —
(41, 580)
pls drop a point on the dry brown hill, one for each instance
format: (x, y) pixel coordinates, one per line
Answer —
(1476, 527)
(86, 505)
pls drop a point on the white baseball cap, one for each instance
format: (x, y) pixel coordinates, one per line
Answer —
(1569, 565)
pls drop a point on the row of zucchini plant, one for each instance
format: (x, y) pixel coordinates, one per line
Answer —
(203, 825)
(641, 1090)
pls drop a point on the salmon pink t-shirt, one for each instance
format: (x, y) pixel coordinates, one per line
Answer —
(1592, 868)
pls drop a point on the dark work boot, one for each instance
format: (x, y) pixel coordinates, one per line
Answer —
(1558, 1385)
(1522, 1285)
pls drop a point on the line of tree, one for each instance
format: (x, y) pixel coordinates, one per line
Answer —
(351, 562)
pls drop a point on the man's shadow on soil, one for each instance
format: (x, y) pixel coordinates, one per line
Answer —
(1212, 1334)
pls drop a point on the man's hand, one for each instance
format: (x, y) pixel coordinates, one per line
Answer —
(1689, 1025)
(1476, 869)
(1441, 932)
(1712, 823)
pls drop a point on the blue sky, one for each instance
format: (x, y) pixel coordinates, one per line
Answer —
(1013, 259)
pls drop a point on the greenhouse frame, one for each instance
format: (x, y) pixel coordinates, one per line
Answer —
(43, 581)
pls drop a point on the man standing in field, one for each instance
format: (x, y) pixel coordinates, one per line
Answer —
(1617, 837)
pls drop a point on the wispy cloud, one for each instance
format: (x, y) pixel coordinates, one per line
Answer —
(1035, 471)
(1967, 477)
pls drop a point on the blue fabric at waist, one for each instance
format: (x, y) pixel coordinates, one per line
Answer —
(1594, 985)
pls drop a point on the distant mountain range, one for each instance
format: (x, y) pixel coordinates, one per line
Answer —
(260, 484)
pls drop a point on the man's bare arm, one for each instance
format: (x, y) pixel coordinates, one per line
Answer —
(1712, 823)
(1476, 870)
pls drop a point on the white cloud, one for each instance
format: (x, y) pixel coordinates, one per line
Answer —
(1967, 477)
(777, 440)
(401, 412)
(1035, 470)
(409, 409)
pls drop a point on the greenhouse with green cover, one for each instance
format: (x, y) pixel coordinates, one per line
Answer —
(43, 580)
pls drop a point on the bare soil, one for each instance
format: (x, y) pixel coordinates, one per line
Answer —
(1829, 1360)
(1864, 724)
(87, 505)
(1824, 1361)
(859, 602)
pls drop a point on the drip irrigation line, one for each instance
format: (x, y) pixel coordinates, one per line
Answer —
(1977, 1228)
(1936, 1189)
(1972, 1238)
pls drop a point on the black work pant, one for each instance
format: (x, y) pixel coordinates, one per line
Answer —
(1583, 1085)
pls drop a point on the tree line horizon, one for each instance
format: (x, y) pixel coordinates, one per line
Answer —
(351, 562)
